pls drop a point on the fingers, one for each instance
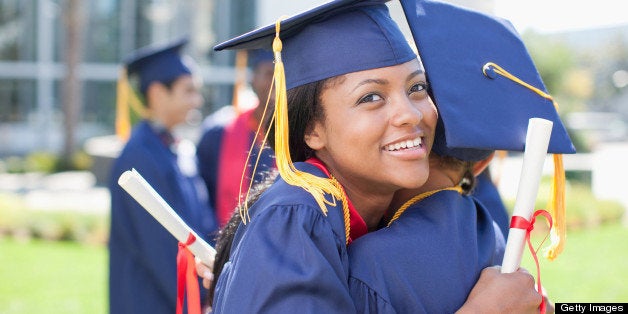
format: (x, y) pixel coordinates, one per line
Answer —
(204, 272)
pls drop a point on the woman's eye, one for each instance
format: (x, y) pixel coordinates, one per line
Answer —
(419, 87)
(369, 98)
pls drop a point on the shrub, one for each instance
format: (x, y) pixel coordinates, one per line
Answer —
(20, 222)
(583, 210)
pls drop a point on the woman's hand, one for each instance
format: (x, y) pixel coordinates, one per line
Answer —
(204, 272)
(503, 293)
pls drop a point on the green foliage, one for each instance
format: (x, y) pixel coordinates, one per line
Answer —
(553, 58)
(583, 209)
(80, 160)
(14, 164)
(22, 223)
(40, 162)
(47, 163)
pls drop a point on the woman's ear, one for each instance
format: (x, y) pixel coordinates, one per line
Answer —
(479, 166)
(315, 136)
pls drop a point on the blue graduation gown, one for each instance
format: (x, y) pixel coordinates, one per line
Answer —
(208, 154)
(486, 192)
(290, 258)
(428, 260)
(142, 253)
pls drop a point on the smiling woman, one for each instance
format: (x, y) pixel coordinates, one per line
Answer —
(360, 125)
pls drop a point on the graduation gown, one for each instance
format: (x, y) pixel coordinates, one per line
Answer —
(142, 260)
(486, 192)
(289, 258)
(428, 260)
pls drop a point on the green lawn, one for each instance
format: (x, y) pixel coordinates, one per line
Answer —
(592, 268)
(62, 277)
(52, 277)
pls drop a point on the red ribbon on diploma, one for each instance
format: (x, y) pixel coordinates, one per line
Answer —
(186, 278)
(519, 222)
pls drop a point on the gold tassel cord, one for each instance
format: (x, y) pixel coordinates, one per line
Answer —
(259, 155)
(556, 203)
(419, 198)
(123, 119)
(318, 187)
(125, 98)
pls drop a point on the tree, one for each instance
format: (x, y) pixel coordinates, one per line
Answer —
(73, 18)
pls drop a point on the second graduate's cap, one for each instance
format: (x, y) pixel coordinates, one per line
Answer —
(483, 80)
(335, 38)
(162, 63)
(486, 88)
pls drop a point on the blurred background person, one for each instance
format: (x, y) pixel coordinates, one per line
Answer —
(228, 136)
(142, 263)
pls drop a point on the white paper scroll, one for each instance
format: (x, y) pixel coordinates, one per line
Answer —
(132, 182)
(537, 142)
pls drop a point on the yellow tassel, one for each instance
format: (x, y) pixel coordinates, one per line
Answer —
(318, 187)
(556, 205)
(123, 119)
(244, 209)
(126, 97)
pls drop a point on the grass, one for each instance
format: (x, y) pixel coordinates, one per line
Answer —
(592, 268)
(52, 277)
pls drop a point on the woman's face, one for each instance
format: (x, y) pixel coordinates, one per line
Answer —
(378, 129)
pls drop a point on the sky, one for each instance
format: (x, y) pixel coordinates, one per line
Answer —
(549, 16)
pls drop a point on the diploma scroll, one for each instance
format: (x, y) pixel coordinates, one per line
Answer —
(132, 182)
(537, 142)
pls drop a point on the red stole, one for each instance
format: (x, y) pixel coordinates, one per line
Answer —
(358, 226)
(236, 142)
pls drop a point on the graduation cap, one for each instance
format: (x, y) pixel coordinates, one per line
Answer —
(320, 43)
(325, 41)
(485, 85)
(156, 63)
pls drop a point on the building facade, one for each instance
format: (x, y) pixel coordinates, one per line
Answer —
(33, 50)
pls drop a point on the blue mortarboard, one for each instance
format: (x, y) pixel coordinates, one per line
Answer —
(486, 88)
(479, 113)
(160, 63)
(332, 39)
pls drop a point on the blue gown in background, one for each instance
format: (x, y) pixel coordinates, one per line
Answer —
(208, 154)
(289, 258)
(142, 252)
(486, 192)
(428, 260)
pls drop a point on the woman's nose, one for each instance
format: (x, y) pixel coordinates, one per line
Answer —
(406, 113)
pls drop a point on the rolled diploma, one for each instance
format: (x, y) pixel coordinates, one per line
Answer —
(132, 182)
(537, 142)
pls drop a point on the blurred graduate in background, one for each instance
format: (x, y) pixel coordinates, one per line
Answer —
(143, 254)
(230, 133)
